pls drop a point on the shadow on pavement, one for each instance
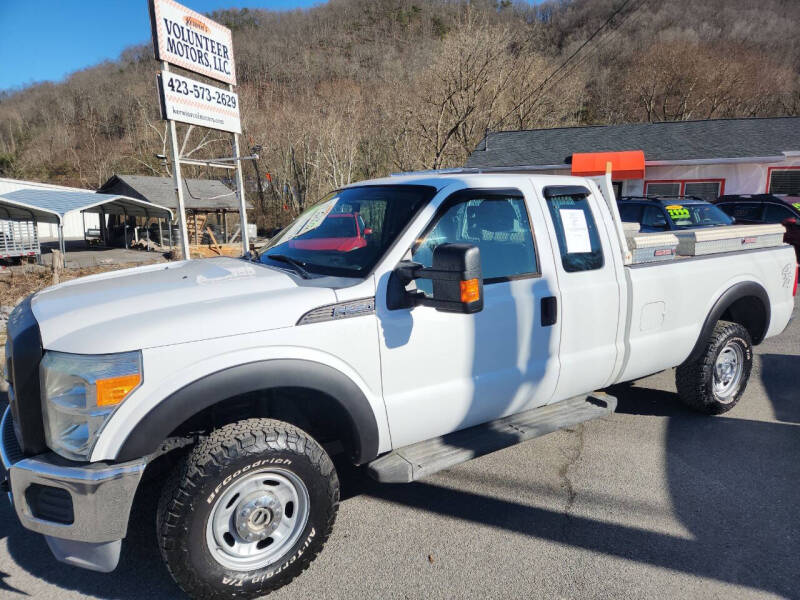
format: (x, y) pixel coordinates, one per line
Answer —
(780, 374)
(140, 574)
(4, 587)
(733, 484)
(632, 400)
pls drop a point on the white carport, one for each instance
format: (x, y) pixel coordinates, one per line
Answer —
(43, 203)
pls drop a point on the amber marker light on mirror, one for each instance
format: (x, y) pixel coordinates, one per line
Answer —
(113, 390)
(470, 290)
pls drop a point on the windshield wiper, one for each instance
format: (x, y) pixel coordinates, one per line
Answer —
(298, 266)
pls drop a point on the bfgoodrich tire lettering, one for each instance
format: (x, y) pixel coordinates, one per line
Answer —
(231, 456)
(714, 383)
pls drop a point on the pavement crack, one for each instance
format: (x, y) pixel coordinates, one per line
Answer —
(572, 456)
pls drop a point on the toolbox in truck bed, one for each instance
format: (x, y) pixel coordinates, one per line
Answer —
(650, 247)
(712, 240)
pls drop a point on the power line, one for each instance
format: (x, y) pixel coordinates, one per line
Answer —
(603, 42)
(569, 58)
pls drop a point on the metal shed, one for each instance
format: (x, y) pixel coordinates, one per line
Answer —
(43, 203)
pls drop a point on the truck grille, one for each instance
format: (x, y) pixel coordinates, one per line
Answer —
(23, 355)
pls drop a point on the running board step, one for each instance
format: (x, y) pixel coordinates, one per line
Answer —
(425, 458)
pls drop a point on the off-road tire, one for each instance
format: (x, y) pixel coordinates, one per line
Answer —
(216, 463)
(695, 380)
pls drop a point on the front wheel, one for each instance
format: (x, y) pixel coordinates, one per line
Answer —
(248, 510)
(714, 382)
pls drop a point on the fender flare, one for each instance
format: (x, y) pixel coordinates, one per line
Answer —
(151, 431)
(736, 292)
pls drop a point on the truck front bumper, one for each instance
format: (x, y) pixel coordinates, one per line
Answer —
(81, 509)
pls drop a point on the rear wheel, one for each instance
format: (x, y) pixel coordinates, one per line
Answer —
(248, 510)
(714, 382)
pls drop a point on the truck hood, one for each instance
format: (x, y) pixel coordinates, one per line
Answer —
(173, 303)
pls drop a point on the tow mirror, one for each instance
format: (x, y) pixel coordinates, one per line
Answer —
(789, 222)
(456, 277)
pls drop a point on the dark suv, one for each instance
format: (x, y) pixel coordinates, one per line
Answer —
(668, 213)
(766, 208)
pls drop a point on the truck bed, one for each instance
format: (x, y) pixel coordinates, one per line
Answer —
(668, 302)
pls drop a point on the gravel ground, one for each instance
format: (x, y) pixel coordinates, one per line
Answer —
(652, 502)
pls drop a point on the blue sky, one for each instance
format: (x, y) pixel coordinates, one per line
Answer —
(45, 40)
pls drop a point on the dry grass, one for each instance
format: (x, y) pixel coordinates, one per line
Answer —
(19, 282)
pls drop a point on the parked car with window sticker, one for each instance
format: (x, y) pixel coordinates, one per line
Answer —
(766, 208)
(482, 310)
(665, 213)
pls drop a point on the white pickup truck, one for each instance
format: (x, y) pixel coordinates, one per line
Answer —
(408, 323)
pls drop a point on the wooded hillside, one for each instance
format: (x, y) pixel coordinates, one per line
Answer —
(361, 88)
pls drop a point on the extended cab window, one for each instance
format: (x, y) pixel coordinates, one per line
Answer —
(576, 231)
(497, 223)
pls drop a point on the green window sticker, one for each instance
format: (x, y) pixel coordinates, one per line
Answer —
(796, 205)
(677, 212)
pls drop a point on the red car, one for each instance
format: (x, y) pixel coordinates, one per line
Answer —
(341, 232)
(766, 208)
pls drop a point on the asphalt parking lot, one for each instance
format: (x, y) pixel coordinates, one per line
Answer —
(652, 502)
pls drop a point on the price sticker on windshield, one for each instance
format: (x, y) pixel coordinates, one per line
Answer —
(796, 205)
(678, 212)
(316, 218)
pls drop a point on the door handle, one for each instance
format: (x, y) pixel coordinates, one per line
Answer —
(549, 311)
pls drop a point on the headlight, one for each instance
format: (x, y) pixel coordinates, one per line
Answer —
(79, 394)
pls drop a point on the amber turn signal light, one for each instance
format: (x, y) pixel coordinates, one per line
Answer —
(470, 291)
(113, 390)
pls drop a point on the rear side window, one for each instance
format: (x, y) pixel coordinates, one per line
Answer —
(743, 211)
(654, 219)
(630, 213)
(775, 213)
(576, 230)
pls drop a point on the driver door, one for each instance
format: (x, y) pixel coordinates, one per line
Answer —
(446, 371)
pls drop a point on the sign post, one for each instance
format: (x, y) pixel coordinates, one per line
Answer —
(192, 41)
(240, 193)
(183, 235)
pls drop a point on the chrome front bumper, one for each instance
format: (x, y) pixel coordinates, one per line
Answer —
(94, 501)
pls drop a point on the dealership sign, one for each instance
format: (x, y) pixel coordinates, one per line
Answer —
(189, 40)
(197, 103)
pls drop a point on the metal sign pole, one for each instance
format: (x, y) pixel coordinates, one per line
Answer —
(240, 190)
(176, 172)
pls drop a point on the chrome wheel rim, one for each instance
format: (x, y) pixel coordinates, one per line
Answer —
(257, 520)
(728, 372)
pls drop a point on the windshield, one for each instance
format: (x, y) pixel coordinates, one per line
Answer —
(348, 231)
(335, 226)
(697, 215)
